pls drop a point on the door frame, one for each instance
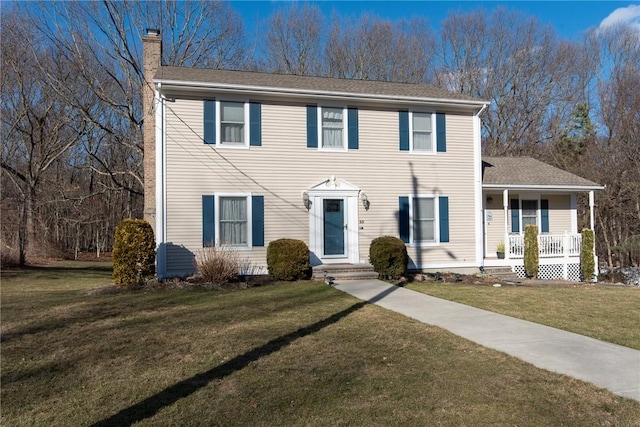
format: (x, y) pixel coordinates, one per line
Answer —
(343, 228)
(333, 189)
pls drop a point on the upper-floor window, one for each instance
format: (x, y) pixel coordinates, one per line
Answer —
(333, 125)
(421, 132)
(332, 128)
(232, 123)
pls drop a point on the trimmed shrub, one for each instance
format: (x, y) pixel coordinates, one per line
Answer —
(388, 256)
(288, 259)
(218, 265)
(134, 252)
(587, 260)
(531, 252)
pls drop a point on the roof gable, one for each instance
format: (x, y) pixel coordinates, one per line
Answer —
(528, 172)
(334, 183)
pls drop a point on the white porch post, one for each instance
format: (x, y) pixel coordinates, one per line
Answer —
(574, 213)
(591, 205)
(565, 254)
(592, 223)
(505, 207)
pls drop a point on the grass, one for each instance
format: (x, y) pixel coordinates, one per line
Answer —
(290, 354)
(603, 312)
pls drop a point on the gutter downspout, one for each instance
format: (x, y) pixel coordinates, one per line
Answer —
(160, 183)
(479, 218)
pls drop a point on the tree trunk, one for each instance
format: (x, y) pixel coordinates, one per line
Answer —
(21, 241)
(30, 223)
(26, 228)
(97, 242)
(608, 245)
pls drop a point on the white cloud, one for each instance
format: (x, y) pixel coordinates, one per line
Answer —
(629, 15)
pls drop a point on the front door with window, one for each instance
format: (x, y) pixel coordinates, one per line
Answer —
(333, 222)
(334, 227)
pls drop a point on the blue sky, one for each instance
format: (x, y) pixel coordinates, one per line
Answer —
(569, 18)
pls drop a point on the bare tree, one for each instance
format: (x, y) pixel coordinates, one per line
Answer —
(616, 160)
(207, 34)
(377, 49)
(72, 108)
(519, 65)
(293, 41)
(38, 129)
(462, 54)
(101, 40)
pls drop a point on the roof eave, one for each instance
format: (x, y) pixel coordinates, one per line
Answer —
(305, 93)
(532, 187)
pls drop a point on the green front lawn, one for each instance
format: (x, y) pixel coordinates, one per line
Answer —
(288, 354)
(606, 313)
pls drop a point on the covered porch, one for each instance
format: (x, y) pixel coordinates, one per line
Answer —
(522, 191)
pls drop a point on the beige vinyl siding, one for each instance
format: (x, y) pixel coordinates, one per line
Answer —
(384, 173)
(495, 227)
(283, 167)
(559, 213)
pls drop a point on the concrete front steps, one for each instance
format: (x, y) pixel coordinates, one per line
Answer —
(501, 273)
(342, 272)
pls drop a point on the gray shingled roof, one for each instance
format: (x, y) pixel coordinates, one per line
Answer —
(527, 171)
(309, 83)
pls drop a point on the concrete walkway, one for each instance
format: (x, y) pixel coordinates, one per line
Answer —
(606, 365)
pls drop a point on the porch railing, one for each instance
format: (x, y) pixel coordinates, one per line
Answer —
(549, 245)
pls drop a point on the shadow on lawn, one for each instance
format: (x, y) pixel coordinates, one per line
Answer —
(60, 271)
(153, 404)
(102, 266)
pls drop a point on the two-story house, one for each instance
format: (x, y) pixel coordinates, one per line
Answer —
(244, 158)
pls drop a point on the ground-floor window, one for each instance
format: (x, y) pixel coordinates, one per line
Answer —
(529, 213)
(233, 221)
(424, 219)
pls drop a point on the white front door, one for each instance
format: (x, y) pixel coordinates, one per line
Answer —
(333, 222)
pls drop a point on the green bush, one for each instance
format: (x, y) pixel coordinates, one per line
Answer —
(388, 256)
(288, 259)
(134, 252)
(587, 261)
(531, 253)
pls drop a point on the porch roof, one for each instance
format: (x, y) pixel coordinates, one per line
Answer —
(529, 173)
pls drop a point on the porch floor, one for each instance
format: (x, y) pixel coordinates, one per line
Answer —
(496, 262)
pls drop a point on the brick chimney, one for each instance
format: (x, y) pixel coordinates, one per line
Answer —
(151, 57)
